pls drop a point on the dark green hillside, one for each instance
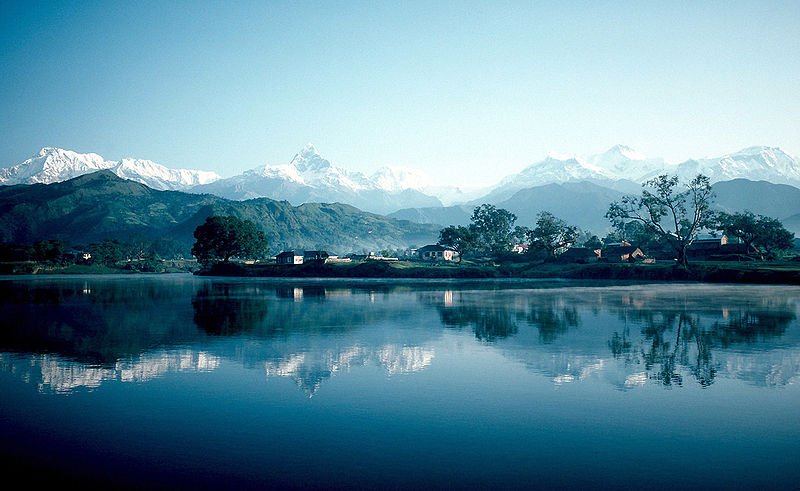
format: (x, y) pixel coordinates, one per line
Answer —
(101, 206)
(780, 201)
(578, 203)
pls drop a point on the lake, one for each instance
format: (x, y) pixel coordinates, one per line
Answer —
(175, 381)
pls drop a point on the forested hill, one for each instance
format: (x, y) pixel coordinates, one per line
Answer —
(102, 206)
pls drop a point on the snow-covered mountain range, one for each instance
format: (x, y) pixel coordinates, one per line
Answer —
(624, 169)
(51, 165)
(308, 177)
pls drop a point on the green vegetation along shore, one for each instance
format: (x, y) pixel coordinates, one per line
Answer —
(714, 272)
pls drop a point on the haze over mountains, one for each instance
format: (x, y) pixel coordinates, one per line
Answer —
(577, 189)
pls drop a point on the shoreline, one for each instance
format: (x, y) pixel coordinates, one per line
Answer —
(778, 273)
(784, 273)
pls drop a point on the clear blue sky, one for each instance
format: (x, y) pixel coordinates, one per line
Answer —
(469, 90)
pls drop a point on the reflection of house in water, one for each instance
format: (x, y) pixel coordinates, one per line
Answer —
(298, 293)
(448, 298)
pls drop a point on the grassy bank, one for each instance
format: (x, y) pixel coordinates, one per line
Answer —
(33, 267)
(723, 272)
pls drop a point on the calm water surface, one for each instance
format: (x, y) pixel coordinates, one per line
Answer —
(182, 382)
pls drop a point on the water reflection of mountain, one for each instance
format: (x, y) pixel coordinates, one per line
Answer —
(52, 373)
(311, 333)
(67, 334)
(309, 369)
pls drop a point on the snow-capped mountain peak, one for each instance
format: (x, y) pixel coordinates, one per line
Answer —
(562, 156)
(624, 162)
(393, 178)
(758, 163)
(53, 164)
(308, 159)
(157, 176)
(626, 151)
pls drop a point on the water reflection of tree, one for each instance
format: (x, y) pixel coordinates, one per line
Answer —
(92, 321)
(494, 320)
(489, 324)
(552, 319)
(678, 340)
(221, 310)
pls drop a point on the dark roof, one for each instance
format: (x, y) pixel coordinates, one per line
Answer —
(620, 249)
(708, 238)
(578, 252)
(288, 253)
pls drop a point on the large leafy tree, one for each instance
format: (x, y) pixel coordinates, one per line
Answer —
(49, 250)
(108, 252)
(493, 229)
(552, 234)
(676, 214)
(459, 238)
(224, 237)
(762, 235)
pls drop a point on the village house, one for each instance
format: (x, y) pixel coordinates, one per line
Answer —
(622, 253)
(436, 252)
(289, 257)
(580, 255)
(706, 245)
(520, 248)
(315, 256)
(712, 247)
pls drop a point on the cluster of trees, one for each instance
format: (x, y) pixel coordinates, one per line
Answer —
(493, 232)
(763, 236)
(665, 214)
(220, 238)
(671, 214)
(141, 254)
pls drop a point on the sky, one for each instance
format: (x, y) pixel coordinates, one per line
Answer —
(467, 92)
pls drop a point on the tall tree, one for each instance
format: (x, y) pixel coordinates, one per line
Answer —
(49, 250)
(552, 234)
(107, 252)
(224, 237)
(675, 216)
(459, 238)
(493, 229)
(762, 235)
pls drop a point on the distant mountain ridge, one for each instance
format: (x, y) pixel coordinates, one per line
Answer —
(624, 169)
(51, 165)
(310, 178)
(101, 205)
(584, 204)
